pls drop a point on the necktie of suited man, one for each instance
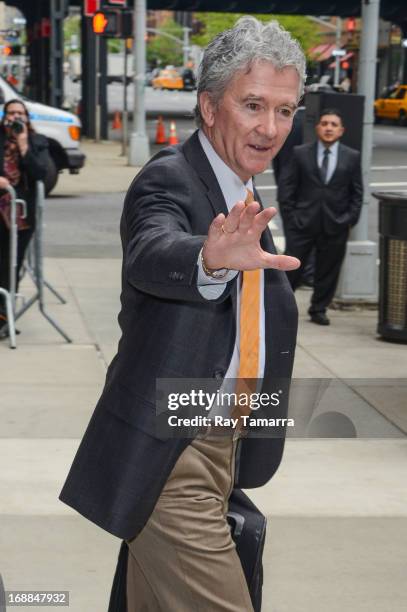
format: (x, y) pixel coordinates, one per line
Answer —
(324, 166)
(249, 323)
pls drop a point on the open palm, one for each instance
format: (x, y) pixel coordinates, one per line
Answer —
(234, 241)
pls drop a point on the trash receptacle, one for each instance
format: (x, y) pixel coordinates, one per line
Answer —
(393, 265)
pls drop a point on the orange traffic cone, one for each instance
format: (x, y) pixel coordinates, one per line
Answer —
(117, 122)
(173, 139)
(160, 137)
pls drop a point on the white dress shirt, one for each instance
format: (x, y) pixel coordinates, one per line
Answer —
(332, 158)
(233, 190)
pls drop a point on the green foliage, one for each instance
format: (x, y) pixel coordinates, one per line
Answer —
(114, 45)
(302, 28)
(72, 26)
(162, 50)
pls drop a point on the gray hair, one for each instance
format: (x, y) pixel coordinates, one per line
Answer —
(238, 48)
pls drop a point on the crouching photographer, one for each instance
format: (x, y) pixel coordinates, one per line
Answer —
(23, 161)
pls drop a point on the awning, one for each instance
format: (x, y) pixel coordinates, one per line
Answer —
(320, 53)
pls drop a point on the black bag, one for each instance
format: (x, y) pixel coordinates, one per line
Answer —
(248, 527)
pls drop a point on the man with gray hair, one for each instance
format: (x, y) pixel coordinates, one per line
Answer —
(204, 296)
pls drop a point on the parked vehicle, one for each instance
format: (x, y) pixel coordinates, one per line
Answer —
(169, 78)
(392, 107)
(61, 128)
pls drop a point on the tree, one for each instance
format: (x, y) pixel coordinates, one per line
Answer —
(302, 28)
(162, 50)
(72, 28)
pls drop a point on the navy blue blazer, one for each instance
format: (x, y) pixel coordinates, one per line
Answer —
(170, 331)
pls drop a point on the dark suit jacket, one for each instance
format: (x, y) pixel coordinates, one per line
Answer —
(281, 162)
(170, 331)
(312, 206)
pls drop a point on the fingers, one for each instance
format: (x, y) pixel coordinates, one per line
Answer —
(263, 218)
(281, 262)
(231, 223)
(247, 216)
(216, 226)
(242, 218)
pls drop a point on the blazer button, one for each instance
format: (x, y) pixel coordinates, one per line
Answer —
(219, 374)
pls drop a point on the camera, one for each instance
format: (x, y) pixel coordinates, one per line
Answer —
(17, 126)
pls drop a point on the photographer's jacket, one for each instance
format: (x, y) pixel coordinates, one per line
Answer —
(33, 168)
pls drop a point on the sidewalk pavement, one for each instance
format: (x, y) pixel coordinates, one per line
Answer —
(337, 508)
(105, 171)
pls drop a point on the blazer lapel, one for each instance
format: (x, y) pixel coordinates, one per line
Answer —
(195, 155)
(339, 162)
(316, 170)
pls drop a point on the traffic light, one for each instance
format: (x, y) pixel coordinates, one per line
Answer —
(106, 23)
(12, 50)
(113, 23)
(351, 24)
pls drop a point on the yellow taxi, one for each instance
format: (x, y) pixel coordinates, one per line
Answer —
(169, 78)
(392, 107)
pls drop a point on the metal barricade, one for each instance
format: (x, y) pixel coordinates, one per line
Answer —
(36, 269)
(10, 295)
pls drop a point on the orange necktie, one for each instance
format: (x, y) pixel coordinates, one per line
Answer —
(249, 331)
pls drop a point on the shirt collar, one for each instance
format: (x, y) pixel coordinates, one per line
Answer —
(232, 186)
(333, 148)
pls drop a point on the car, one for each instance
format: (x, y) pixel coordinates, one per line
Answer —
(169, 78)
(394, 106)
(62, 130)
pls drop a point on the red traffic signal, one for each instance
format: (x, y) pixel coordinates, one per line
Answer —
(113, 23)
(99, 22)
(351, 24)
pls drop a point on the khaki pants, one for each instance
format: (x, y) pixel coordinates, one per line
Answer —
(185, 560)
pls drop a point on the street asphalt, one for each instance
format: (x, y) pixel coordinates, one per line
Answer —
(337, 508)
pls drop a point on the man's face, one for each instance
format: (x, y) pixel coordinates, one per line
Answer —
(329, 129)
(254, 117)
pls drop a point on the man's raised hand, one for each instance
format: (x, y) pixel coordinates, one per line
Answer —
(234, 241)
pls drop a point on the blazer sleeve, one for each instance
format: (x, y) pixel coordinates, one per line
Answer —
(35, 161)
(356, 190)
(161, 250)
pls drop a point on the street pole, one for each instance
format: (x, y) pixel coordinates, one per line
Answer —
(97, 89)
(125, 111)
(338, 46)
(366, 87)
(139, 151)
(403, 66)
(359, 273)
(185, 47)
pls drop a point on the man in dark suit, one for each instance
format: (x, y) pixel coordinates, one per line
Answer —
(282, 167)
(189, 228)
(322, 196)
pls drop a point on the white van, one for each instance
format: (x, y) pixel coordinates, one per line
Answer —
(61, 128)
